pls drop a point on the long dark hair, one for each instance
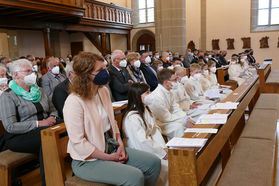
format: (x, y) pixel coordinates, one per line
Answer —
(134, 99)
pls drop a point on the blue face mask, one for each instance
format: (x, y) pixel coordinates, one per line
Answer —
(102, 77)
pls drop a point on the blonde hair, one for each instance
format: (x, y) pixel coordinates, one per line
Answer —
(194, 67)
(132, 56)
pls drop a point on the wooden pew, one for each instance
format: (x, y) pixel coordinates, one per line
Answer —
(10, 160)
(54, 147)
(269, 79)
(190, 166)
(254, 159)
(223, 78)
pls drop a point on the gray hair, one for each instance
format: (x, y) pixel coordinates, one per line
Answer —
(48, 61)
(69, 68)
(115, 54)
(17, 65)
(3, 68)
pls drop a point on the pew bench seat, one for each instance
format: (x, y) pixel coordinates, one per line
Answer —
(253, 160)
(10, 160)
(75, 181)
(268, 101)
(261, 125)
(250, 164)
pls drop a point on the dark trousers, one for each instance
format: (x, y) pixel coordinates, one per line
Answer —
(29, 142)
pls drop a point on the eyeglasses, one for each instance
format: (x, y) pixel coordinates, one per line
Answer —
(28, 71)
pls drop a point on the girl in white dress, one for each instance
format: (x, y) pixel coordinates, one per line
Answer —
(237, 70)
(141, 132)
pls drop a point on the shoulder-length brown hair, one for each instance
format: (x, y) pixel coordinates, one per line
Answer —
(83, 66)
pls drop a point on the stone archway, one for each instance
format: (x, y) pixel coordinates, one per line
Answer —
(138, 35)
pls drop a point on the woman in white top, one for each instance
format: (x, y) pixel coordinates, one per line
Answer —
(213, 80)
(140, 131)
(204, 80)
(237, 71)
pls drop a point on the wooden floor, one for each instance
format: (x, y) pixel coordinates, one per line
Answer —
(32, 178)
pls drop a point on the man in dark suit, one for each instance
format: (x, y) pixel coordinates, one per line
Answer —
(222, 58)
(120, 78)
(148, 71)
(250, 57)
(61, 91)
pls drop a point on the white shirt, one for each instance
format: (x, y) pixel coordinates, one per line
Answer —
(103, 113)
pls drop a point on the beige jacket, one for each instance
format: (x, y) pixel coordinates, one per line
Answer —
(84, 124)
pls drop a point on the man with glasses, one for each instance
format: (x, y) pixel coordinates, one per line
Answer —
(120, 78)
(53, 77)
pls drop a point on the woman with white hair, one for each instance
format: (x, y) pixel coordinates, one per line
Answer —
(25, 110)
(3, 79)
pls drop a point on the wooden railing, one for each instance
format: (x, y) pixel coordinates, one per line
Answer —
(100, 11)
(73, 3)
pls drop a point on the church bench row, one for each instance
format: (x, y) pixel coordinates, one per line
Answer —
(10, 160)
(269, 79)
(223, 78)
(189, 166)
(253, 160)
(54, 147)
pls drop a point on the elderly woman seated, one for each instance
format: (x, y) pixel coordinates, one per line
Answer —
(3, 79)
(25, 110)
(134, 67)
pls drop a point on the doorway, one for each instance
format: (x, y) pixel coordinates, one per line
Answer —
(76, 47)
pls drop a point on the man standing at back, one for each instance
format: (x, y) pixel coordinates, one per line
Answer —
(148, 71)
(120, 78)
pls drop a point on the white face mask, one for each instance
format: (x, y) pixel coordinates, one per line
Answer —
(35, 68)
(205, 72)
(147, 100)
(243, 60)
(213, 69)
(244, 57)
(209, 56)
(157, 56)
(55, 70)
(177, 65)
(148, 59)
(197, 76)
(123, 63)
(184, 79)
(206, 59)
(174, 85)
(30, 79)
(233, 62)
(171, 67)
(3, 81)
(167, 58)
(137, 64)
(106, 63)
(160, 68)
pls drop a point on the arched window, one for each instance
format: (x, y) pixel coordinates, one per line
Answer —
(146, 11)
(265, 14)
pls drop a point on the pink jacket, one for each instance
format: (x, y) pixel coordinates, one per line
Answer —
(84, 126)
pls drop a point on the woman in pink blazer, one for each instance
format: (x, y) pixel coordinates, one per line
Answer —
(94, 143)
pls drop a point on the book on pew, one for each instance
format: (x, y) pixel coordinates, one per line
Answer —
(212, 119)
(186, 142)
(212, 94)
(119, 103)
(225, 106)
(201, 130)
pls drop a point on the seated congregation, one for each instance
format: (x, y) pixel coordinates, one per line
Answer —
(162, 102)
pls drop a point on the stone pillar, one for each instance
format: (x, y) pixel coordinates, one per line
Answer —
(170, 25)
(203, 25)
(46, 33)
